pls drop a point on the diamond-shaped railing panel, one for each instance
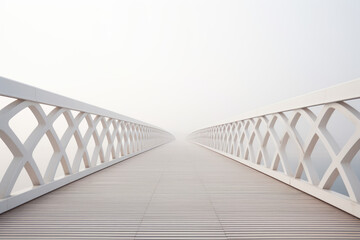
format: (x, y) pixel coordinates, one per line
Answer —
(43, 153)
(313, 146)
(23, 122)
(53, 141)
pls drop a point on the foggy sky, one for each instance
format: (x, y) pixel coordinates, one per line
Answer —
(180, 65)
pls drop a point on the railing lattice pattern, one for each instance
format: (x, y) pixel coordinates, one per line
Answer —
(261, 142)
(114, 138)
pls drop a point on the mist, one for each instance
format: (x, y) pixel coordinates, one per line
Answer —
(180, 65)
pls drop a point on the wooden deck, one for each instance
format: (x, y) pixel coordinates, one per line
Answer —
(177, 191)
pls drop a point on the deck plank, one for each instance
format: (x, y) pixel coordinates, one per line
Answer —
(178, 191)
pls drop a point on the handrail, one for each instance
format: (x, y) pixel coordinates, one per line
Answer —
(121, 137)
(261, 139)
(340, 92)
(13, 89)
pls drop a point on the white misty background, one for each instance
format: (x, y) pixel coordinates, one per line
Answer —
(180, 65)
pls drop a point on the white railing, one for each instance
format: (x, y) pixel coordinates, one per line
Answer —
(310, 142)
(115, 137)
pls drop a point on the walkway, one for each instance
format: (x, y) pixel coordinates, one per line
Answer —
(177, 191)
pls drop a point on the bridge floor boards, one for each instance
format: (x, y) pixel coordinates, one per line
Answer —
(177, 191)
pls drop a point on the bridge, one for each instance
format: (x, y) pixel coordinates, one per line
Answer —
(257, 176)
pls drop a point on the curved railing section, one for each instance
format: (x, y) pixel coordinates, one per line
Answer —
(115, 137)
(310, 142)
